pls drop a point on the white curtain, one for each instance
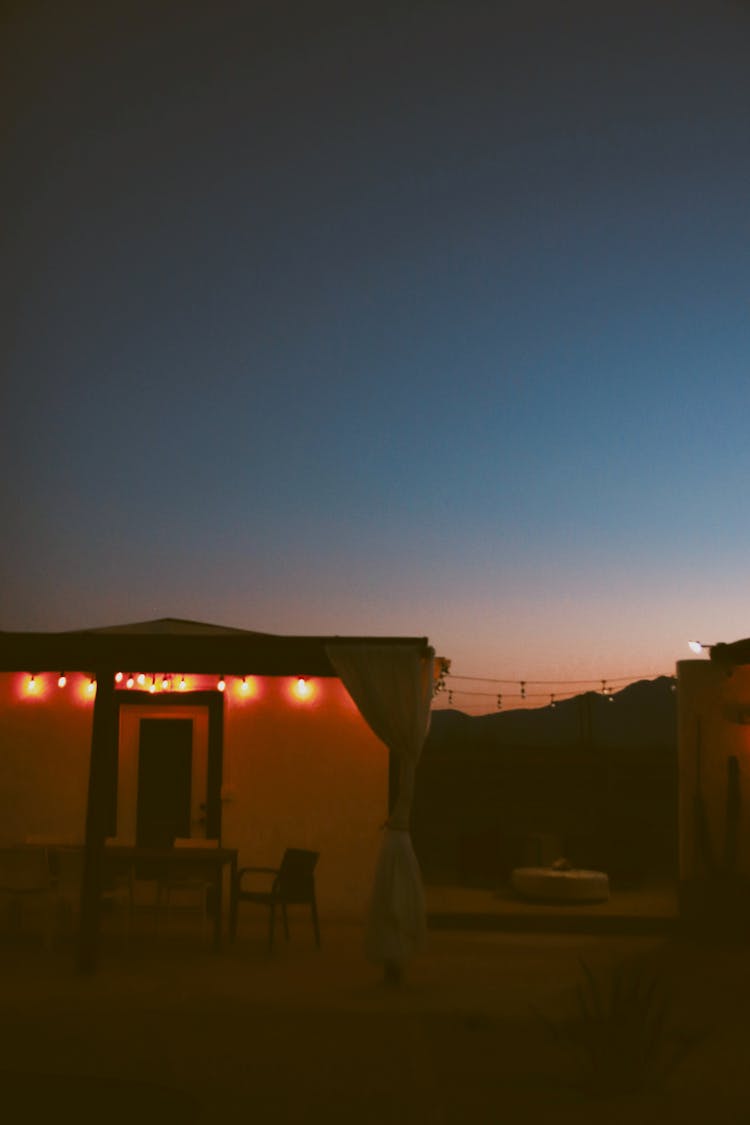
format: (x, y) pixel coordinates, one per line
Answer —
(392, 685)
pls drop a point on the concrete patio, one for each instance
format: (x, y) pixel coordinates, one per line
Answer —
(167, 1031)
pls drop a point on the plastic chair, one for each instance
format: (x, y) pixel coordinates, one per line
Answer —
(67, 866)
(293, 884)
(181, 879)
(24, 879)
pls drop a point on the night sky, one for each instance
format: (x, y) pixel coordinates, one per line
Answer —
(415, 318)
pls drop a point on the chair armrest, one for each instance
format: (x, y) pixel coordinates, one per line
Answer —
(255, 871)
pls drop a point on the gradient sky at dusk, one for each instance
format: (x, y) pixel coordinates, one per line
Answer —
(416, 318)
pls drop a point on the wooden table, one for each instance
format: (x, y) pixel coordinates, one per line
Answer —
(122, 857)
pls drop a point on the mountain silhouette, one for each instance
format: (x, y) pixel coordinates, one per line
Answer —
(641, 715)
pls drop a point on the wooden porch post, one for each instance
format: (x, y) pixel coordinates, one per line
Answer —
(101, 785)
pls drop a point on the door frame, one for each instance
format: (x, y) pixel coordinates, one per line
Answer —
(214, 703)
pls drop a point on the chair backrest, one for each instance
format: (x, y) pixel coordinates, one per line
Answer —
(69, 867)
(295, 881)
(24, 869)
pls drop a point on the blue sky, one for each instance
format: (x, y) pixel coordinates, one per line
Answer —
(416, 318)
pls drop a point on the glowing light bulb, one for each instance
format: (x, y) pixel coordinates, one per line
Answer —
(31, 685)
(222, 684)
(118, 677)
(302, 688)
(130, 681)
(165, 683)
(152, 685)
(62, 680)
(695, 646)
(141, 678)
(91, 686)
(182, 685)
(244, 686)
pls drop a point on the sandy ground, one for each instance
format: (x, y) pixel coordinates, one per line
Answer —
(167, 1031)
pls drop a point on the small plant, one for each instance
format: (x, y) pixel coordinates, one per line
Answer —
(621, 1026)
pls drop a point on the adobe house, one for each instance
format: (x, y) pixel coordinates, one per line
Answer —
(247, 737)
(713, 698)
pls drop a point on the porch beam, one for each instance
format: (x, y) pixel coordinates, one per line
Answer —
(102, 767)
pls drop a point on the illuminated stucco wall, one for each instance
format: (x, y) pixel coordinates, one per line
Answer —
(305, 773)
(298, 772)
(714, 725)
(45, 743)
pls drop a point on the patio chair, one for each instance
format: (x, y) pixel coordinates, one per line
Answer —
(24, 880)
(293, 884)
(116, 892)
(192, 880)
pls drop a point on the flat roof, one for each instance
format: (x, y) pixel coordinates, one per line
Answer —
(177, 645)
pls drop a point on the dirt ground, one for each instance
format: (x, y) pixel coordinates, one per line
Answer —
(167, 1031)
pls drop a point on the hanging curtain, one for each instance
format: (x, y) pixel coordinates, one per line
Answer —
(392, 686)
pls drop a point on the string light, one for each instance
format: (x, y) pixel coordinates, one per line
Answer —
(302, 688)
(152, 685)
(182, 685)
(130, 681)
(62, 680)
(141, 679)
(165, 683)
(31, 685)
(118, 677)
(527, 696)
(222, 684)
(91, 686)
(244, 686)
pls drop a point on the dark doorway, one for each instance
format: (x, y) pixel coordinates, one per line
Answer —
(165, 762)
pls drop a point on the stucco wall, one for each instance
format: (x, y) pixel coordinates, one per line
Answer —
(306, 773)
(712, 700)
(45, 740)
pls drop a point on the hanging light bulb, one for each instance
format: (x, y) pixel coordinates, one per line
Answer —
(118, 677)
(182, 685)
(165, 683)
(62, 680)
(152, 685)
(222, 684)
(31, 685)
(141, 678)
(499, 702)
(244, 686)
(91, 686)
(302, 688)
(552, 702)
(523, 689)
(130, 681)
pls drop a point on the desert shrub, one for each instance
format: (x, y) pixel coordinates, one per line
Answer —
(620, 1026)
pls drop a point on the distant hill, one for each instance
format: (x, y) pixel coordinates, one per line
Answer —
(641, 715)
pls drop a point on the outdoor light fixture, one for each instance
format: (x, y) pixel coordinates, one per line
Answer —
(62, 680)
(302, 688)
(698, 647)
